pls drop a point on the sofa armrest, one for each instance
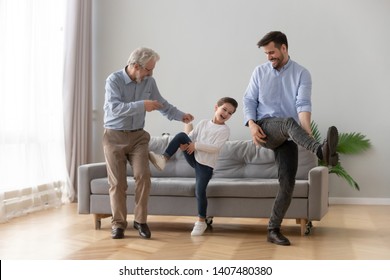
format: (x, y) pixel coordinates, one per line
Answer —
(86, 173)
(318, 193)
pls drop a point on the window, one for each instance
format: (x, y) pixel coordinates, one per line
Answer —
(32, 156)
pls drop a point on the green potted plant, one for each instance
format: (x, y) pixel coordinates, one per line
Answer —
(349, 143)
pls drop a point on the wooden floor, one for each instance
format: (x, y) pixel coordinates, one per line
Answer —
(347, 232)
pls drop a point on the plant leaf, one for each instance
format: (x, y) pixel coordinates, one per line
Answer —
(342, 173)
(349, 143)
(315, 131)
(352, 143)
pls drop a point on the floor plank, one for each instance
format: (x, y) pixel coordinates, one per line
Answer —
(347, 232)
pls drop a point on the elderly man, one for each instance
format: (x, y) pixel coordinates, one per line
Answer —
(130, 93)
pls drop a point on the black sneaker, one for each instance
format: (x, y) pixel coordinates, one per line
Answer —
(329, 147)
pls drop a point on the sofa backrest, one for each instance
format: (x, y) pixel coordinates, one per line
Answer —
(237, 159)
(177, 165)
(241, 158)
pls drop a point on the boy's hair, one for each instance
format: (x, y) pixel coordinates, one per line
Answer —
(277, 37)
(229, 100)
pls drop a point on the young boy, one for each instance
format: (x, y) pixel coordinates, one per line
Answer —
(201, 148)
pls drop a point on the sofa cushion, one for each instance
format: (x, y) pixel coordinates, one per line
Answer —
(177, 165)
(242, 159)
(237, 159)
(218, 187)
(174, 186)
(251, 188)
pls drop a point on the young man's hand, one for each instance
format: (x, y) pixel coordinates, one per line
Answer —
(258, 135)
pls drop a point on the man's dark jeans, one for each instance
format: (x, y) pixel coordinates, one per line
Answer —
(283, 135)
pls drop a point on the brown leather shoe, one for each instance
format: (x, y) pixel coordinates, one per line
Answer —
(274, 236)
(143, 230)
(118, 233)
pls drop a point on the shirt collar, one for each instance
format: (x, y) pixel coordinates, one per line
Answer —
(287, 64)
(126, 77)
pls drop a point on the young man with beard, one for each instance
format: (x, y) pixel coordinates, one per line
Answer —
(277, 110)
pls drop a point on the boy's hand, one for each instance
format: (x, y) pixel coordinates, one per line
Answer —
(187, 118)
(183, 147)
(189, 148)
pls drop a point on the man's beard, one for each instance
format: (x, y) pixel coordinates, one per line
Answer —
(278, 62)
(276, 65)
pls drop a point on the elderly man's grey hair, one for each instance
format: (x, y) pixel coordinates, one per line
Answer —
(142, 56)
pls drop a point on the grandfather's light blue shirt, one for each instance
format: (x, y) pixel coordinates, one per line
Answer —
(273, 93)
(124, 102)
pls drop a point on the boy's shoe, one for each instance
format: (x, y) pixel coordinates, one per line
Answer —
(199, 228)
(158, 161)
(329, 147)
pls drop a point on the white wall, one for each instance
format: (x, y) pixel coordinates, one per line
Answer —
(208, 50)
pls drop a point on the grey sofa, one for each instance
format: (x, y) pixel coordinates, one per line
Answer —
(244, 184)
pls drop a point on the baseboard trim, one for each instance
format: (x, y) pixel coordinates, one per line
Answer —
(360, 200)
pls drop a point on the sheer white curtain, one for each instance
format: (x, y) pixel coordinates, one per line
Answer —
(78, 85)
(33, 171)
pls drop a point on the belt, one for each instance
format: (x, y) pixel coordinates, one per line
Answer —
(133, 130)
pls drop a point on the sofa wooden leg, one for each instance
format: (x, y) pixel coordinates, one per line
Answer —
(98, 219)
(306, 226)
(303, 223)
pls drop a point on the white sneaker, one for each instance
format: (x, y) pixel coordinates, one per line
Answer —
(158, 161)
(199, 228)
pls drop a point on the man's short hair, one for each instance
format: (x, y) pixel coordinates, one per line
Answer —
(277, 37)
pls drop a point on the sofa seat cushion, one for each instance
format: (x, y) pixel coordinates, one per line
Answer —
(175, 186)
(218, 187)
(251, 187)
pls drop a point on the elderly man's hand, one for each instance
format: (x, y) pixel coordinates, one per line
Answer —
(151, 105)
